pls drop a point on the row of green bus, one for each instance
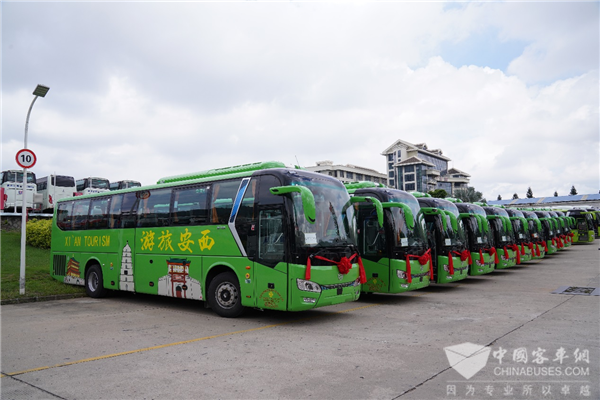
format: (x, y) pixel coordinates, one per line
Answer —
(267, 236)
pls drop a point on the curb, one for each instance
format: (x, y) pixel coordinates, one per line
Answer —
(41, 298)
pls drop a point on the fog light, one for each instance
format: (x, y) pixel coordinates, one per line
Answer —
(309, 300)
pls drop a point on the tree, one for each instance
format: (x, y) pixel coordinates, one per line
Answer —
(555, 194)
(529, 193)
(515, 196)
(499, 197)
(468, 195)
(573, 191)
(439, 193)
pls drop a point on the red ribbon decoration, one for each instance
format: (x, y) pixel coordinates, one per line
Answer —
(516, 250)
(494, 252)
(361, 271)
(465, 254)
(537, 250)
(450, 263)
(505, 253)
(344, 266)
(481, 259)
(522, 249)
(408, 272)
(423, 259)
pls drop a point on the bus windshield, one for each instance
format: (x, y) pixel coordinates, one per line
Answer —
(99, 183)
(334, 224)
(17, 176)
(63, 181)
(403, 235)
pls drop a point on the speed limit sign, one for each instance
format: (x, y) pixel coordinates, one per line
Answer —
(26, 158)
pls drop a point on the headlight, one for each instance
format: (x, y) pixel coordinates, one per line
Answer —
(308, 286)
(401, 274)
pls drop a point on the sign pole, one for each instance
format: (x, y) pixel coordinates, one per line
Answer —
(26, 159)
(24, 207)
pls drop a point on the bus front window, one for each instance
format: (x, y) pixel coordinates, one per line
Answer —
(334, 224)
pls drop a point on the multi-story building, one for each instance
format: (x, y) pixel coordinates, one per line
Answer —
(413, 167)
(348, 173)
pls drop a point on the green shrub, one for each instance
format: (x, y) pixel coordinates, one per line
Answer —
(39, 233)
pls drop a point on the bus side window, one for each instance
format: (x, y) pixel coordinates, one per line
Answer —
(80, 214)
(99, 213)
(122, 211)
(189, 206)
(64, 216)
(222, 200)
(154, 207)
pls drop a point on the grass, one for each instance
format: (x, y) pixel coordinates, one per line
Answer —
(38, 282)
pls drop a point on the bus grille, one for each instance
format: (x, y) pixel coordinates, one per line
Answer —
(59, 266)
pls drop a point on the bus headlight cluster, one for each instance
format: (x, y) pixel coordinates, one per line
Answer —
(401, 274)
(308, 286)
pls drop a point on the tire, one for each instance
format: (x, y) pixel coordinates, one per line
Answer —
(94, 286)
(224, 295)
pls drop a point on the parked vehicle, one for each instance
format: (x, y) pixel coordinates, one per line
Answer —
(256, 235)
(480, 240)
(395, 256)
(11, 182)
(124, 185)
(503, 235)
(53, 188)
(445, 234)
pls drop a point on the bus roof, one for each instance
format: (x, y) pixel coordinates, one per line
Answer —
(211, 173)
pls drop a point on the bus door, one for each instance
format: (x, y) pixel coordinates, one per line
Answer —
(257, 221)
(374, 250)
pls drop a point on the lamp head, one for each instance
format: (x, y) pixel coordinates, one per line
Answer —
(41, 90)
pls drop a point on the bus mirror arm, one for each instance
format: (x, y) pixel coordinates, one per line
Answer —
(376, 203)
(410, 220)
(453, 221)
(308, 199)
(434, 211)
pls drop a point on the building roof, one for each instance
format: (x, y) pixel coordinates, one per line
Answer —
(457, 171)
(422, 147)
(415, 160)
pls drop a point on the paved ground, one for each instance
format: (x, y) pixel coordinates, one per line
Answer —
(530, 344)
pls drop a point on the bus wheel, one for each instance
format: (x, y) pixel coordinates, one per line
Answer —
(93, 282)
(224, 295)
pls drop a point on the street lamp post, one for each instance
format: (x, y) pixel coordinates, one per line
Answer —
(40, 91)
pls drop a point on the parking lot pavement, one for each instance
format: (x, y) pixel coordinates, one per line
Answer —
(500, 336)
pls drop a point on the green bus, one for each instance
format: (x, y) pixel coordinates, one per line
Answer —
(568, 223)
(520, 227)
(395, 256)
(479, 238)
(595, 213)
(584, 226)
(504, 240)
(445, 234)
(257, 235)
(536, 234)
(561, 229)
(550, 232)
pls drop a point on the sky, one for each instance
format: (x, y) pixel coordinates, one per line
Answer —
(141, 90)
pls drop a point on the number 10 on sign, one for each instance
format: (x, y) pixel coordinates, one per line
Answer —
(26, 158)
